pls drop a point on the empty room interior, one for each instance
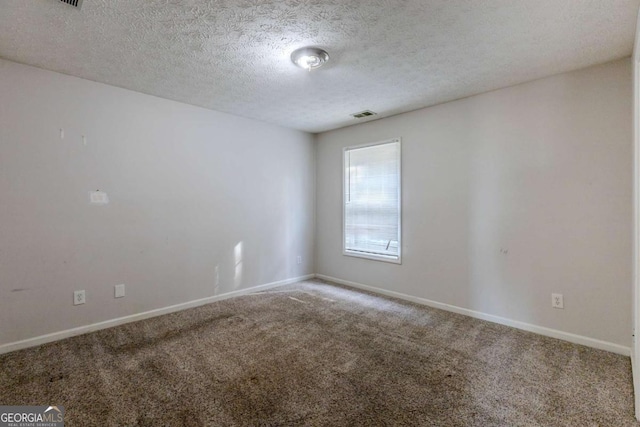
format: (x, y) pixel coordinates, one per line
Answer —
(319, 213)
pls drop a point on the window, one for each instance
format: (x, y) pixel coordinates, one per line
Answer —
(372, 201)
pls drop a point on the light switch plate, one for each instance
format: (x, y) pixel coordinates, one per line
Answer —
(98, 198)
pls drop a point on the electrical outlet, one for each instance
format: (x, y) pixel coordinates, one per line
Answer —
(557, 301)
(118, 291)
(299, 259)
(79, 297)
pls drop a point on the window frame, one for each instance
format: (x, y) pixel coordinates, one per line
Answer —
(364, 255)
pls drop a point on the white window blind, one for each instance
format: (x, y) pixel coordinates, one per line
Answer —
(372, 201)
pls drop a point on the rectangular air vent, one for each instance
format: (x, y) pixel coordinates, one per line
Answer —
(363, 114)
(74, 3)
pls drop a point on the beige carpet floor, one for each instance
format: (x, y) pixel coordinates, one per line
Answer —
(316, 354)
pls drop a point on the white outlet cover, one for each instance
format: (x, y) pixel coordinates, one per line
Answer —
(79, 297)
(98, 198)
(557, 301)
(118, 291)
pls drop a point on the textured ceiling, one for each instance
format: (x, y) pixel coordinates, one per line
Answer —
(386, 56)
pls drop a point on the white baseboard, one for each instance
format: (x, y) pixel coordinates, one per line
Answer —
(56, 336)
(636, 378)
(577, 339)
(541, 330)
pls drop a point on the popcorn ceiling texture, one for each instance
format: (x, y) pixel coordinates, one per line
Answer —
(387, 56)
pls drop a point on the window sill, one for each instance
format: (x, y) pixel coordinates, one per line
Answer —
(373, 257)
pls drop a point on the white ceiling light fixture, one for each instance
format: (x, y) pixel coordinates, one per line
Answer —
(309, 58)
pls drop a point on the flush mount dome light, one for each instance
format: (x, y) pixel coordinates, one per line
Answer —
(309, 58)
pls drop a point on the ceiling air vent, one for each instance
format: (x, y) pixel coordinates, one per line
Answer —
(363, 114)
(74, 3)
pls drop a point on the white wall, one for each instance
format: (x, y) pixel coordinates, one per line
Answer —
(635, 353)
(191, 190)
(542, 170)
